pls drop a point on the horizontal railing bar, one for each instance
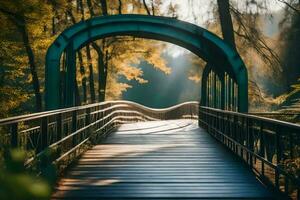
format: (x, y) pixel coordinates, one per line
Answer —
(272, 113)
(33, 116)
(259, 118)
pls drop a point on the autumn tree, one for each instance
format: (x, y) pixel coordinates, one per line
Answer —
(27, 17)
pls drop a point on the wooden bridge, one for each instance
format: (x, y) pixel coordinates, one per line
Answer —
(164, 159)
(128, 151)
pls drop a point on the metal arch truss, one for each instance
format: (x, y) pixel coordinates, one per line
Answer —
(220, 56)
(219, 90)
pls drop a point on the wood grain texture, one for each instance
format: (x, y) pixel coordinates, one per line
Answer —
(160, 160)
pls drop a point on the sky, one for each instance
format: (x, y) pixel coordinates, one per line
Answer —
(202, 9)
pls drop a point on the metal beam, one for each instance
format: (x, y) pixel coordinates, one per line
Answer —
(194, 38)
(204, 83)
(70, 76)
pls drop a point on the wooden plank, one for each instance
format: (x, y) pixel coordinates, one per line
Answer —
(159, 160)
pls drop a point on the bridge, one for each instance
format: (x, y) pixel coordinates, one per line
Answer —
(211, 149)
(127, 150)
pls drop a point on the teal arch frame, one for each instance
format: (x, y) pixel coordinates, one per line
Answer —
(198, 40)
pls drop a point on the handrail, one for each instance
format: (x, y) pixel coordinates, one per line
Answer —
(63, 110)
(66, 133)
(268, 146)
(252, 116)
(293, 117)
(274, 113)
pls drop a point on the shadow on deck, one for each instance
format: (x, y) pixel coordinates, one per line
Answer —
(160, 160)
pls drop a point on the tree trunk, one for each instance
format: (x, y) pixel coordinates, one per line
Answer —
(102, 73)
(102, 66)
(82, 72)
(226, 22)
(81, 9)
(228, 35)
(84, 89)
(120, 7)
(33, 70)
(146, 7)
(77, 95)
(90, 7)
(104, 7)
(91, 74)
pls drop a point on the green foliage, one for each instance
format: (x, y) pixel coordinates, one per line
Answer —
(16, 183)
(291, 101)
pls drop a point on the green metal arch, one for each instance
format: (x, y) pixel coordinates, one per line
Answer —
(194, 38)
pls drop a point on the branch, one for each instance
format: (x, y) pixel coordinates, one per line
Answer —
(252, 36)
(90, 7)
(290, 6)
(146, 7)
(153, 8)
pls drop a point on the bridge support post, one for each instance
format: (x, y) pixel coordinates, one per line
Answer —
(214, 90)
(69, 89)
(44, 135)
(222, 79)
(232, 97)
(242, 96)
(204, 84)
(229, 93)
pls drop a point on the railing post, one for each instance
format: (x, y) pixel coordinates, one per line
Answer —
(261, 147)
(291, 144)
(74, 126)
(262, 141)
(215, 90)
(14, 135)
(232, 96)
(250, 140)
(59, 126)
(88, 120)
(278, 156)
(222, 79)
(229, 93)
(278, 145)
(43, 135)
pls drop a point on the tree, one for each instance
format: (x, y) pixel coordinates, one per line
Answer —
(226, 22)
(20, 16)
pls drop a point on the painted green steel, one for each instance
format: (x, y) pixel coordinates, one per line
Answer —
(222, 79)
(204, 79)
(194, 38)
(70, 76)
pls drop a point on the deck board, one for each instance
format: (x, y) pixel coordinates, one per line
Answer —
(160, 160)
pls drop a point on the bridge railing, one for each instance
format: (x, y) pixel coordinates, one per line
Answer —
(293, 117)
(270, 147)
(63, 134)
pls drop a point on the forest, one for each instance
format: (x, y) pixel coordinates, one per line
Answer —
(265, 33)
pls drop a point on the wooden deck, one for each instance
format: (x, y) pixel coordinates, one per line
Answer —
(160, 160)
